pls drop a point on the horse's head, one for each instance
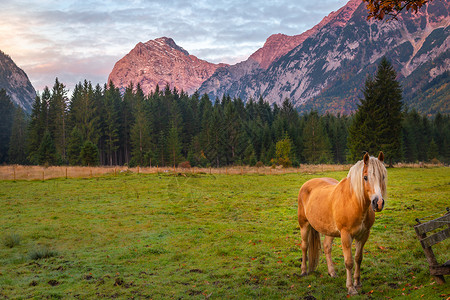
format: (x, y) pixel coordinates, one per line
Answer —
(374, 178)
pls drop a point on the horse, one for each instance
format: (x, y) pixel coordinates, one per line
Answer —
(344, 209)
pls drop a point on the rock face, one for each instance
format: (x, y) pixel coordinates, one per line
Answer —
(327, 70)
(16, 83)
(230, 79)
(161, 62)
(324, 68)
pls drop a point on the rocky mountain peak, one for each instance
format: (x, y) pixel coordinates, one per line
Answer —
(326, 71)
(16, 83)
(161, 62)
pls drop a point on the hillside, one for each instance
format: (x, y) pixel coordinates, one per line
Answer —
(328, 69)
(16, 83)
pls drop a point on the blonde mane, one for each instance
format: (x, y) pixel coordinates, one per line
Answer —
(376, 171)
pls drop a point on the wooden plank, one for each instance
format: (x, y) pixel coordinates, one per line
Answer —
(432, 225)
(435, 238)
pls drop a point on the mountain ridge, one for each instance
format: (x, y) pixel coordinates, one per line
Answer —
(327, 71)
(160, 62)
(16, 83)
(323, 68)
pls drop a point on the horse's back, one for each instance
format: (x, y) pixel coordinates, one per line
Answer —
(323, 184)
(314, 199)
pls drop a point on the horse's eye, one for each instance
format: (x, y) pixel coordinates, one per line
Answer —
(365, 178)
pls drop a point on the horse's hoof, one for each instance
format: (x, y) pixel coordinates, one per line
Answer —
(303, 274)
(358, 286)
(332, 275)
(352, 291)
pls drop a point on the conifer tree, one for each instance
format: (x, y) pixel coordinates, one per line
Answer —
(7, 111)
(173, 145)
(89, 154)
(377, 122)
(126, 109)
(140, 135)
(57, 117)
(316, 143)
(74, 146)
(35, 131)
(47, 150)
(111, 123)
(83, 112)
(18, 142)
(389, 97)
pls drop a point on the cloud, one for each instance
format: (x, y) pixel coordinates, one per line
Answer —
(76, 40)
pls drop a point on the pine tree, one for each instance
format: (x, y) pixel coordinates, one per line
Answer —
(173, 145)
(57, 117)
(389, 97)
(140, 135)
(316, 144)
(74, 146)
(89, 154)
(126, 109)
(18, 142)
(47, 150)
(377, 122)
(111, 123)
(7, 111)
(83, 112)
(35, 131)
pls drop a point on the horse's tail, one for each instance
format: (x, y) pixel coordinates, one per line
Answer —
(313, 249)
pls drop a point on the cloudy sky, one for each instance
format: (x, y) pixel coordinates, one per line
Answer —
(77, 40)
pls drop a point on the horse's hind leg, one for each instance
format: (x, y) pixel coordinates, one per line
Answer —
(359, 244)
(327, 243)
(305, 232)
(346, 240)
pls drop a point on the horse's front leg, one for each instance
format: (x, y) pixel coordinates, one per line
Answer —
(358, 259)
(327, 243)
(348, 259)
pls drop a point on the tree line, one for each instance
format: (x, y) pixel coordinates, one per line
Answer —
(104, 126)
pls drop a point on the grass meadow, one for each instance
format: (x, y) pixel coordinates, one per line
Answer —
(195, 236)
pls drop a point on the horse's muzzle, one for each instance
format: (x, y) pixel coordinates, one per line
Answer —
(377, 204)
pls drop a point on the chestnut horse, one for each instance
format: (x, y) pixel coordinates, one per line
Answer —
(342, 209)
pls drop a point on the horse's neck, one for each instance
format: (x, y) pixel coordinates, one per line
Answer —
(345, 188)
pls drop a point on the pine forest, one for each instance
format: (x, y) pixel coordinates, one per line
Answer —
(104, 126)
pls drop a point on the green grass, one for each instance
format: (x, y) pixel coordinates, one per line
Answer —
(218, 236)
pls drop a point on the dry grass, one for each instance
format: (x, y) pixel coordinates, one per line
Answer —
(18, 172)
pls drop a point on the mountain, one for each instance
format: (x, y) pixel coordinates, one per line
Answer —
(160, 62)
(327, 70)
(228, 79)
(16, 83)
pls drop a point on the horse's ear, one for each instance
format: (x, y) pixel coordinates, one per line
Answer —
(366, 158)
(381, 156)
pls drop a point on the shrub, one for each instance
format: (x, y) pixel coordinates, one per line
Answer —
(259, 164)
(41, 253)
(435, 161)
(185, 165)
(11, 240)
